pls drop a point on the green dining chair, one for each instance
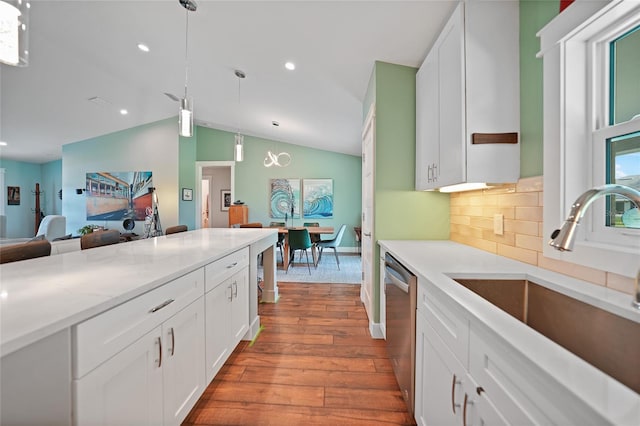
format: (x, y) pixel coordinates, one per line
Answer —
(314, 237)
(299, 240)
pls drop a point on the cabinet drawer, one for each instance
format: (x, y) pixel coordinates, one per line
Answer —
(101, 337)
(449, 320)
(524, 394)
(218, 271)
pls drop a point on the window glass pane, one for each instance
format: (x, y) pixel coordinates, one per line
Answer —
(625, 80)
(623, 168)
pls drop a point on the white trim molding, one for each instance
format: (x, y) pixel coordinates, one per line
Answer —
(570, 108)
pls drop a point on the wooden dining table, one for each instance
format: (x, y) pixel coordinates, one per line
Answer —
(312, 230)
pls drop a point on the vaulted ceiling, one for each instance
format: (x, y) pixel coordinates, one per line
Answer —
(85, 49)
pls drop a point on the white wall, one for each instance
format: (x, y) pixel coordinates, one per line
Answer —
(152, 147)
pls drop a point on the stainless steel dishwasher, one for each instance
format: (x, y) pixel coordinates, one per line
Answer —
(400, 295)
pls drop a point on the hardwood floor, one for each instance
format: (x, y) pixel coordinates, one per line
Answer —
(313, 364)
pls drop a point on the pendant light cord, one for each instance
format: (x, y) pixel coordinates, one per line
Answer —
(186, 55)
(239, 109)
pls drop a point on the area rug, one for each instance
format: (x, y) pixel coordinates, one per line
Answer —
(327, 271)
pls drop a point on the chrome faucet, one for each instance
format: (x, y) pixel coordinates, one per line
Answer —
(562, 239)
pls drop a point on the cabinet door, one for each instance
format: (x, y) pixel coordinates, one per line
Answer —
(239, 307)
(439, 380)
(126, 389)
(184, 375)
(451, 85)
(427, 123)
(217, 324)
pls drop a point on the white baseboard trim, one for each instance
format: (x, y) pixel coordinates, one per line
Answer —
(254, 328)
(376, 330)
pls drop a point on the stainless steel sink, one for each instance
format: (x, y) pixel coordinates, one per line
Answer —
(604, 340)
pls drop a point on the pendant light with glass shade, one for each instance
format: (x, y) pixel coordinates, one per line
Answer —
(185, 118)
(14, 32)
(239, 146)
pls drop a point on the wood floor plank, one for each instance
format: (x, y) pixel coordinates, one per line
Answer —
(306, 362)
(389, 400)
(309, 329)
(314, 339)
(338, 321)
(358, 340)
(343, 351)
(298, 377)
(308, 396)
(314, 363)
(234, 413)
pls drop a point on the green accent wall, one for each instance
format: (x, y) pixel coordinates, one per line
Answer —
(187, 178)
(534, 14)
(401, 213)
(252, 179)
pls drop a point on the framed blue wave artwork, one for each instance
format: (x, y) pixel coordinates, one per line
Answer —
(318, 198)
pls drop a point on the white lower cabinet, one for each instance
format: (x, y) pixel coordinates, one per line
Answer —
(227, 319)
(127, 389)
(449, 390)
(142, 362)
(184, 375)
(466, 374)
(155, 380)
(439, 379)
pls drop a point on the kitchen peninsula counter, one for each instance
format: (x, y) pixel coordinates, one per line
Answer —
(40, 297)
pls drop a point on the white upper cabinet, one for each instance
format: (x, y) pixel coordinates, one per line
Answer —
(468, 99)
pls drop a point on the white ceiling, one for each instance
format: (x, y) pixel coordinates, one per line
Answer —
(82, 49)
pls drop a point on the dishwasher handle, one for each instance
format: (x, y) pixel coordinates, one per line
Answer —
(398, 283)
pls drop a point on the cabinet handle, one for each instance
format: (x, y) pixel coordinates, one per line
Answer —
(464, 409)
(429, 173)
(235, 289)
(435, 172)
(479, 390)
(160, 306)
(159, 352)
(367, 234)
(230, 293)
(454, 382)
(232, 265)
(173, 340)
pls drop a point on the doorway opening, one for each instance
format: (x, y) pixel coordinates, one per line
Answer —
(214, 181)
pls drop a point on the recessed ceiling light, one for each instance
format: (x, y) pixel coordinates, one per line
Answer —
(124, 111)
(290, 66)
(143, 47)
(2, 143)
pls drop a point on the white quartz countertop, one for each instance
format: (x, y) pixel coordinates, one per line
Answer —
(439, 261)
(40, 297)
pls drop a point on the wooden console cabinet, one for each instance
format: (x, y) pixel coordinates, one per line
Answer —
(238, 215)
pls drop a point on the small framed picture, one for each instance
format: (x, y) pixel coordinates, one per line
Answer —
(225, 200)
(13, 195)
(187, 194)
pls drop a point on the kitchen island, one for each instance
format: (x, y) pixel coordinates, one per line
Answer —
(476, 361)
(45, 302)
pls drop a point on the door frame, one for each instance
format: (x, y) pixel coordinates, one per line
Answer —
(198, 196)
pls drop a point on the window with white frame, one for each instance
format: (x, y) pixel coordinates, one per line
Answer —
(591, 62)
(616, 129)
